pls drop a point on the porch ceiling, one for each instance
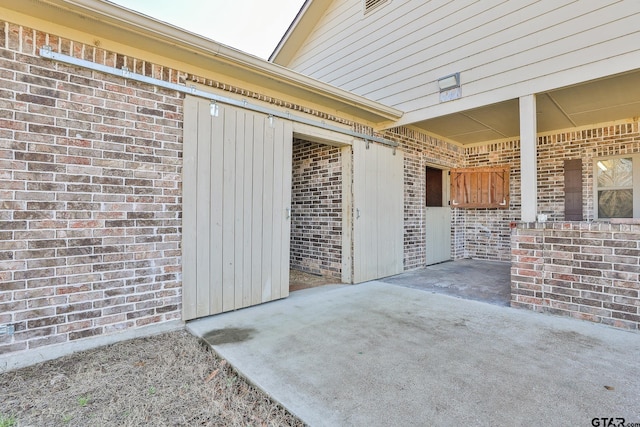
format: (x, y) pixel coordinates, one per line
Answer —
(603, 100)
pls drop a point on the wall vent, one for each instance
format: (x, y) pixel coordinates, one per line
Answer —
(370, 5)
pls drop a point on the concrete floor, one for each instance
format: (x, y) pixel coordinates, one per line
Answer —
(378, 354)
(487, 281)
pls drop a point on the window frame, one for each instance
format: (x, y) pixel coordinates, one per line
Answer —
(445, 186)
(635, 183)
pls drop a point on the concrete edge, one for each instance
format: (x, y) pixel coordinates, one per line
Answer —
(241, 374)
(316, 289)
(26, 358)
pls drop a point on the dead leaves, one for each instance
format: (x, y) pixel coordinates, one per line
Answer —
(213, 374)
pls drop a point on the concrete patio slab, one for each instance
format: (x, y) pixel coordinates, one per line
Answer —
(480, 280)
(377, 354)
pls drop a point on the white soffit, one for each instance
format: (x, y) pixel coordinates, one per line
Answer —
(604, 100)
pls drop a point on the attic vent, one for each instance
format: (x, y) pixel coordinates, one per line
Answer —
(370, 5)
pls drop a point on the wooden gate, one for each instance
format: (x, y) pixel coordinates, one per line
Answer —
(236, 204)
(378, 214)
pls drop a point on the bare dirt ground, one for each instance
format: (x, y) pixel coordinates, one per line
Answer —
(301, 280)
(166, 380)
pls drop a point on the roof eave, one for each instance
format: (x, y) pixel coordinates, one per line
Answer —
(175, 39)
(304, 22)
(294, 24)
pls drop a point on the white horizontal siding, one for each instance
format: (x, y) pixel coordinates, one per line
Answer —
(521, 29)
(333, 23)
(396, 54)
(539, 53)
(393, 47)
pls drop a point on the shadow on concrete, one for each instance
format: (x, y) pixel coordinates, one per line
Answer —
(486, 281)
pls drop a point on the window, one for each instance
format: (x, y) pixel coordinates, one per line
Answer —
(486, 187)
(617, 187)
(434, 187)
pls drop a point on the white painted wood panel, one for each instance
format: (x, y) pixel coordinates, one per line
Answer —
(378, 218)
(256, 204)
(247, 223)
(279, 212)
(203, 211)
(216, 141)
(239, 208)
(189, 198)
(285, 233)
(267, 215)
(237, 188)
(396, 54)
(227, 202)
(391, 212)
(438, 234)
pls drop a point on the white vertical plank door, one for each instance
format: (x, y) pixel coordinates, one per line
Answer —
(438, 226)
(236, 199)
(189, 224)
(256, 204)
(215, 186)
(438, 234)
(205, 174)
(378, 214)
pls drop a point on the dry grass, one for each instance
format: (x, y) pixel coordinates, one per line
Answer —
(165, 380)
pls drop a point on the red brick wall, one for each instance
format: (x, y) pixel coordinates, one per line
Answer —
(587, 145)
(90, 196)
(90, 185)
(316, 209)
(421, 150)
(586, 270)
(90, 192)
(486, 232)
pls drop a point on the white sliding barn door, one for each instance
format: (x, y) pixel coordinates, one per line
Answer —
(236, 200)
(378, 217)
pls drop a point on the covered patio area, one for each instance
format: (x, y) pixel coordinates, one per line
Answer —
(479, 280)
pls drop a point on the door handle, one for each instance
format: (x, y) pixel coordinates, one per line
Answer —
(357, 213)
(288, 213)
